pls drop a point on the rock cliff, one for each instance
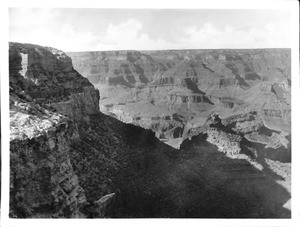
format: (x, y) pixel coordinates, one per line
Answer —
(50, 104)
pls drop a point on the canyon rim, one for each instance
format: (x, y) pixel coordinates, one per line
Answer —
(138, 123)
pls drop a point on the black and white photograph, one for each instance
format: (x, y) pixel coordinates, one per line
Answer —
(150, 113)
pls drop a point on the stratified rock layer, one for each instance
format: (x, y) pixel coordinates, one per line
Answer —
(190, 83)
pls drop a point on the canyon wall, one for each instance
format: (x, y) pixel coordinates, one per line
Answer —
(241, 67)
(191, 83)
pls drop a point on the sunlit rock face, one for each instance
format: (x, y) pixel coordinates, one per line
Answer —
(68, 159)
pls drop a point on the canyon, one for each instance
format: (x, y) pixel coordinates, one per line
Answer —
(155, 134)
(168, 91)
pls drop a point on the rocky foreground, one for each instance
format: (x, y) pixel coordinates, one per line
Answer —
(69, 160)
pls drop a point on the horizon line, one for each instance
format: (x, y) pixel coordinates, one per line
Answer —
(149, 50)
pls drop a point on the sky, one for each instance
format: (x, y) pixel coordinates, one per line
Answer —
(150, 29)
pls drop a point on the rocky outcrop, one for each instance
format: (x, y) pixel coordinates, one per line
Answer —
(226, 142)
(43, 73)
(241, 134)
(164, 127)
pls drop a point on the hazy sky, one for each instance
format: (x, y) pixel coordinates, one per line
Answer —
(117, 29)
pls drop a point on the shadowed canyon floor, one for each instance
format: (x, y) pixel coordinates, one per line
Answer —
(154, 180)
(68, 159)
